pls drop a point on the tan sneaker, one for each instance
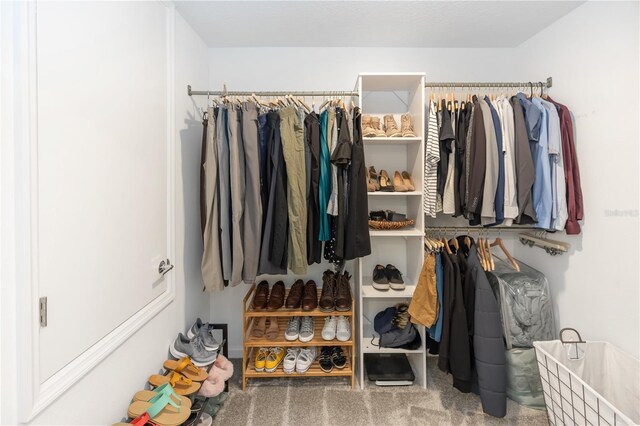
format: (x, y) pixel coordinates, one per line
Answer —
(391, 127)
(406, 126)
(375, 123)
(367, 130)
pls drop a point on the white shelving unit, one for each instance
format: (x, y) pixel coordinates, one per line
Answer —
(397, 94)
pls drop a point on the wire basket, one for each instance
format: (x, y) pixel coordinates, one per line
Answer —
(385, 225)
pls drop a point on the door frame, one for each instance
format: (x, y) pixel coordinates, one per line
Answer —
(20, 214)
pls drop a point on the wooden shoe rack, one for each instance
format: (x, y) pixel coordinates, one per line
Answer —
(251, 344)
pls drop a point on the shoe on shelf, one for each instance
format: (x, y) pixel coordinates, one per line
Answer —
(338, 359)
(395, 278)
(274, 358)
(261, 296)
(343, 292)
(402, 317)
(406, 127)
(408, 182)
(276, 298)
(273, 329)
(343, 330)
(328, 296)
(391, 127)
(375, 123)
(367, 130)
(205, 330)
(310, 296)
(259, 327)
(293, 329)
(306, 329)
(324, 359)
(294, 299)
(398, 183)
(329, 329)
(193, 348)
(380, 280)
(305, 359)
(372, 180)
(260, 359)
(385, 182)
(289, 363)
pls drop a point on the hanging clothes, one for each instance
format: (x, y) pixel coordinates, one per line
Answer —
(525, 171)
(488, 213)
(325, 178)
(424, 302)
(499, 197)
(238, 192)
(224, 181)
(312, 136)
(464, 181)
(432, 157)
(342, 159)
(505, 113)
(446, 137)
(252, 227)
(477, 153)
(558, 184)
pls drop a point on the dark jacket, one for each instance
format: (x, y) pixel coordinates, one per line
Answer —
(459, 354)
(525, 172)
(477, 153)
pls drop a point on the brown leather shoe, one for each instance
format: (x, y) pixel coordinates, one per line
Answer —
(328, 296)
(343, 292)
(310, 297)
(276, 298)
(295, 295)
(260, 297)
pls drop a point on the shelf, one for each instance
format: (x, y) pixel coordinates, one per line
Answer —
(314, 371)
(369, 292)
(391, 141)
(411, 232)
(281, 341)
(283, 312)
(369, 348)
(392, 194)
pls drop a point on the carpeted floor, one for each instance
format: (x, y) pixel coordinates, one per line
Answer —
(321, 401)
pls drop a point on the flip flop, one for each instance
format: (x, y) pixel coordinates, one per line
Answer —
(147, 395)
(142, 420)
(180, 384)
(186, 367)
(161, 410)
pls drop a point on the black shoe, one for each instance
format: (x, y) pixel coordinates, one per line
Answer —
(337, 357)
(380, 279)
(395, 277)
(325, 359)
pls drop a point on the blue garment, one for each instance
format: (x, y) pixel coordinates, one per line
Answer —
(435, 332)
(499, 198)
(542, 191)
(325, 179)
(532, 119)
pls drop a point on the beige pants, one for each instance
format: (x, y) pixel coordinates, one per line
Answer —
(292, 134)
(424, 303)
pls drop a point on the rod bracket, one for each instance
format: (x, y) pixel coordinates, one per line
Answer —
(549, 82)
(189, 89)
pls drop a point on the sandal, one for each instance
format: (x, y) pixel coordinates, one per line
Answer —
(272, 331)
(142, 420)
(162, 410)
(372, 180)
(385, 182)
(180, 384)
(259, 326)
(185, 367)
(148, 395)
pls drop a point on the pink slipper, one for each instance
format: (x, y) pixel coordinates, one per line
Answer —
(224, 366)
(213, 386)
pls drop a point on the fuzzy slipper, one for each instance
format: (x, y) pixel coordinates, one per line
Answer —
(224, 366)
(213, 386)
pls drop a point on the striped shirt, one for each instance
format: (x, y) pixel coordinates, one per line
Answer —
(431, 159)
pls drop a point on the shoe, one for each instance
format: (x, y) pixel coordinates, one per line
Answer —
(375, 123)
(212, 387)
(398, 183)
(367, 130)
(273, 329)
(204, 330)
(193, 348)
(261, 358)
(276, 298)
(343, 292)
(274, 358)
(380, 280)
(395, 278)
(306, 329)
(391, 127)
(293, 329)
(310, 296)
(343, 330)
(338, 359)
(325, 359)
(372, 180)
(224, 366)
(408, 182)
(305, 359)
(259, 301)
(295, 295)
(327, 297)
(401, 317)
(259, 327)
(406, 127)
(289, 363)
(385, 182)
(329, 329)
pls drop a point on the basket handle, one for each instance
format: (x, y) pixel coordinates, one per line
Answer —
(571, 341)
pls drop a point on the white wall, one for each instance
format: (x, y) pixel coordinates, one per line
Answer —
(126, 370)
(592, 54)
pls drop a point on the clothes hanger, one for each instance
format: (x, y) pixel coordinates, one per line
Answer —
(491, 264)
(454, 241)
(480, 249)
(498, 242)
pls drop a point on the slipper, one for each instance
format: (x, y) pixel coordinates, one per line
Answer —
(161, 410)
(259, 326)
(272, 331)
(186, 367)
(142, 420)
(225, 366)
(147, 395)
(213, 386)
(180, 384)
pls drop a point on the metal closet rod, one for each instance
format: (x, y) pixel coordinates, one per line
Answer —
(533, 84)
(482, 229)
(281, 93)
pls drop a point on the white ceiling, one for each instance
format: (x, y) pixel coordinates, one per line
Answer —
(370, 23)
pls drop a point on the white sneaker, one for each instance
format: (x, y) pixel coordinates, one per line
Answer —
(293, 328)
(289, 363)
(305, 359)
(306, 329)
(329, 329)
(343, 329)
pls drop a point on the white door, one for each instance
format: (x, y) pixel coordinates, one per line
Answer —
(102, 196)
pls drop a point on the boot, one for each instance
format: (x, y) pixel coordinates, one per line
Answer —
(343, 292)
(391, 127)
(367, 130)
(375, 124)
(406, 127)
